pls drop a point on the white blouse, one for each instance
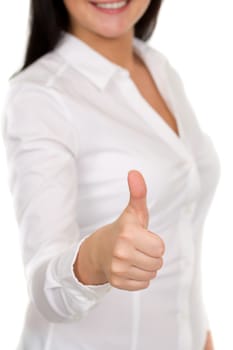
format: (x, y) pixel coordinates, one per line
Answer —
(74, 124)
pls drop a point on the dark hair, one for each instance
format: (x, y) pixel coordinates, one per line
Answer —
(48, 18)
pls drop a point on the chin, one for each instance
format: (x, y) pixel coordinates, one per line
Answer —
(110, 32)
(111, 35)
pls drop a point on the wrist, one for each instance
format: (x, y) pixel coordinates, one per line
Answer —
(86, 266)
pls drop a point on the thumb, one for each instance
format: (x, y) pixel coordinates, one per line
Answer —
(138, 192)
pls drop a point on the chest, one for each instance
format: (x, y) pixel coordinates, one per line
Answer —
(113, 137)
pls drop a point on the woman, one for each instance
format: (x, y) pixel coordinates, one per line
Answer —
(108, 266)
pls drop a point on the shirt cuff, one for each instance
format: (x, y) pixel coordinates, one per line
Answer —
(68, 296)
(60, 274)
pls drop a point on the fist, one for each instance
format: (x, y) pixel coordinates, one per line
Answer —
(130, 254)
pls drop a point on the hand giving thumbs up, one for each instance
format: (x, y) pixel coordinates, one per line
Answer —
(128, 254)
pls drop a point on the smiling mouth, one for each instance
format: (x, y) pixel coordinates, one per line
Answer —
(111, 6)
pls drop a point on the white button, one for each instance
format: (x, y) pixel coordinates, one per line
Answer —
(188, 208)
(184, 315)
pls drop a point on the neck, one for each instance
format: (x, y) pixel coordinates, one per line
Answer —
(118, 50)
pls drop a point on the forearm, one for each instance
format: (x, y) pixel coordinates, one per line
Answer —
(42, 155)
(57, 292)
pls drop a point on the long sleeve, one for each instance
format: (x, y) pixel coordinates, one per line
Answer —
(41, 151)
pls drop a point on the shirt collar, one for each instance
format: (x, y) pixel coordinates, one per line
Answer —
(90, 62)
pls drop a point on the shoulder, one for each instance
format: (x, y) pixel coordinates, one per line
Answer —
(33, 80)
(42, 72)
(33, 104)
(32, 113)
(41, 83)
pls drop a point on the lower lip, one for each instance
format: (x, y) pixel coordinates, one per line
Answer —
(112, 11)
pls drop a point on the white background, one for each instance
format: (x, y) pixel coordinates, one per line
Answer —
(196, 36)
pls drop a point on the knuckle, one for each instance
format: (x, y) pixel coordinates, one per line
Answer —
(153, 274)
(116, 250)
(120, 250)
(146, 284)
(160, 263)
(114, 281)
(122, 253)
(126, 232)
(160, 246)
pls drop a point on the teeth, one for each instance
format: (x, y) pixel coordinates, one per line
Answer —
(114, 5)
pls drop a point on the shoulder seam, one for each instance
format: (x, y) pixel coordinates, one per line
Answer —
(51, 80)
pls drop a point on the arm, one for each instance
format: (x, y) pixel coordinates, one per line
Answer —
(41, 151)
